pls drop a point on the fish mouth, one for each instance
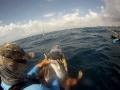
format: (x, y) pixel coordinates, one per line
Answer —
(56, 48)
(55, 53)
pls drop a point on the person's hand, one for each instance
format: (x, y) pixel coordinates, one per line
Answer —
(43, 63)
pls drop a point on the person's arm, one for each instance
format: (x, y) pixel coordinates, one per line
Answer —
(55, 85)
(35, 71)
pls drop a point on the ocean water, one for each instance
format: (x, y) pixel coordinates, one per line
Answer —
(87, 49)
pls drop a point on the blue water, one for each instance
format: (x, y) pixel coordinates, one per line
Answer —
(87, 49)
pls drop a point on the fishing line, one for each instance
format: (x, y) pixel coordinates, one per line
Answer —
(59, 38)
(43, 30)
(112, 31)
(43, 35)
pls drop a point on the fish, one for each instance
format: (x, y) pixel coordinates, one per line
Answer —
(58, 66)
(59, 69)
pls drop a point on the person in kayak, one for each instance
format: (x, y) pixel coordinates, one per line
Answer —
(58, 67)
(13, 65)
(116, 38)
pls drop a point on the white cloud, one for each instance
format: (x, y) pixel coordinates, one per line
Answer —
(76, 10)
(71, 20)
(109, 16)
(49, 15)
(112, 10)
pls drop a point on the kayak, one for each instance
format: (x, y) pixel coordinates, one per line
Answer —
(116, 40)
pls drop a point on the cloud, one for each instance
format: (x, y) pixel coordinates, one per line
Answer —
(0, 22)
(59, 21)
(76, 10)
(49, 15)
(64, 21)
(69, 20)
(111, 11)
(13, 31)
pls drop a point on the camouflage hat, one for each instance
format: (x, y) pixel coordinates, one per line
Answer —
(14, 52)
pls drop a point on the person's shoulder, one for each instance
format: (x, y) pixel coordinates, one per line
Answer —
(36, 87)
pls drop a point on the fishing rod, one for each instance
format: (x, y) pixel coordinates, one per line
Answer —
(44, 36)
(43, 31)
(112, 31)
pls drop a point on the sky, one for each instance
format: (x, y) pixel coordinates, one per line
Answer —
(22, 18)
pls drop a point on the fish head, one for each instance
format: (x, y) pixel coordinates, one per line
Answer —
(56, 48)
